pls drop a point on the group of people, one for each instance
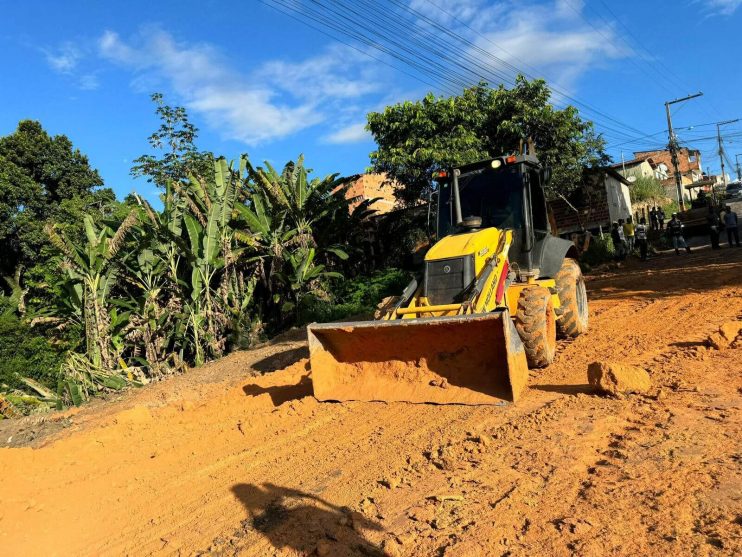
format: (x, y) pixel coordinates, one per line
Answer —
(657, 218)
(725, 219)
(627, 237)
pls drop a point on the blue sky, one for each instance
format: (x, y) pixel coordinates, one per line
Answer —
(257, 81)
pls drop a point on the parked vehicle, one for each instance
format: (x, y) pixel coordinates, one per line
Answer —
(734, 190)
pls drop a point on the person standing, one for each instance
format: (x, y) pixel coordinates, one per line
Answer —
(628, 232)
(661, 219)
(675, 230)
(714, 224)
(619, 245)
(731, 223)
(653, 218)
(640, 232)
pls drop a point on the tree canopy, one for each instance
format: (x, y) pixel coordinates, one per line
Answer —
(415, 139)
(175, 138)
(52, 162)
(42, 178)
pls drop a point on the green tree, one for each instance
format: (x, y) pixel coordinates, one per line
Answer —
(175, 138)
(299, 227)
(417, 138)
(62, 171)
(43, 179)
(91, 275)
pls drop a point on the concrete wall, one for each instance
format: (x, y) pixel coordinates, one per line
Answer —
(640, 170)
(619, 200)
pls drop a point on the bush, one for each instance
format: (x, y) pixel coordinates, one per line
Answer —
(26, 354)
(601, 250)
(646, 189)
(669, 209)
(358, 296)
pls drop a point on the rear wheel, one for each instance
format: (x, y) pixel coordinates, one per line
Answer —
(535, 322)
(573, 299)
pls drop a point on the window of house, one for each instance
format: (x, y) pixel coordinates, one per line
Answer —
(692, 157)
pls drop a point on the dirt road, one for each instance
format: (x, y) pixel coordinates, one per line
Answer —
(223, 461)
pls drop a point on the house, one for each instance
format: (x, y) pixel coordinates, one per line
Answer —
(689, 163)
(602, 199)
(642, 167)
(371, 186)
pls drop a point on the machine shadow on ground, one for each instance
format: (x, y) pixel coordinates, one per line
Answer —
(292, 519)
(282, 393)
(282, 359)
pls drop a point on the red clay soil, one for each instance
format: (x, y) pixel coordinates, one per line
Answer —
(225, 461)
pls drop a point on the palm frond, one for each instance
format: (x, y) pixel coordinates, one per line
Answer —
(117, 241)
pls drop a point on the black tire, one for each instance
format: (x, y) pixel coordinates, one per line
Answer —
(573, 313)
(535, 322)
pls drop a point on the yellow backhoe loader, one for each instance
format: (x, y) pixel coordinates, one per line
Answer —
(497, 289)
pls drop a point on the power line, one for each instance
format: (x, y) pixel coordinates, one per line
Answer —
(278, 5)
(675, 80)
(449, 71)
(653, 77)
(520, 61)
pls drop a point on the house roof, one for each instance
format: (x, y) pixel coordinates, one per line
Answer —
(611, 171)
(636, 161)
(680, 150)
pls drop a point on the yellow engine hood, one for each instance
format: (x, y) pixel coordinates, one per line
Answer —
(480, 243)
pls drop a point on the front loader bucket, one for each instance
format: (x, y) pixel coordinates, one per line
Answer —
(474, 359)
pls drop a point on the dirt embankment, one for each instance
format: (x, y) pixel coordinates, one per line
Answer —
(225, 461)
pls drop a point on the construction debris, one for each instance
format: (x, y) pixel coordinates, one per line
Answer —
(727, 335)
(618, 379)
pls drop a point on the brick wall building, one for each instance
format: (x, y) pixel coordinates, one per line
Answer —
(370, 186)
(602, 199)
(689, 163)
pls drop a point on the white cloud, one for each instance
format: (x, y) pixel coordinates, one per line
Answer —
(89, 82)
(273, 101)
(451, 12)
(63, 59)
(353, 133)
(69, 60)
(549, 39)
(334, 88)
(722, 7)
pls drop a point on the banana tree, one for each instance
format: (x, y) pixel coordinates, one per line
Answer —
(158, 291)
(91, 275)
(219, 293)
(300, 201)
(304, 277)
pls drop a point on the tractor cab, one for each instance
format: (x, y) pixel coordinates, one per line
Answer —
(506, 193)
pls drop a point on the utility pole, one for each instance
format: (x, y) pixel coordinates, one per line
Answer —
(673, 145)
(721, 149)
(739, 170)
